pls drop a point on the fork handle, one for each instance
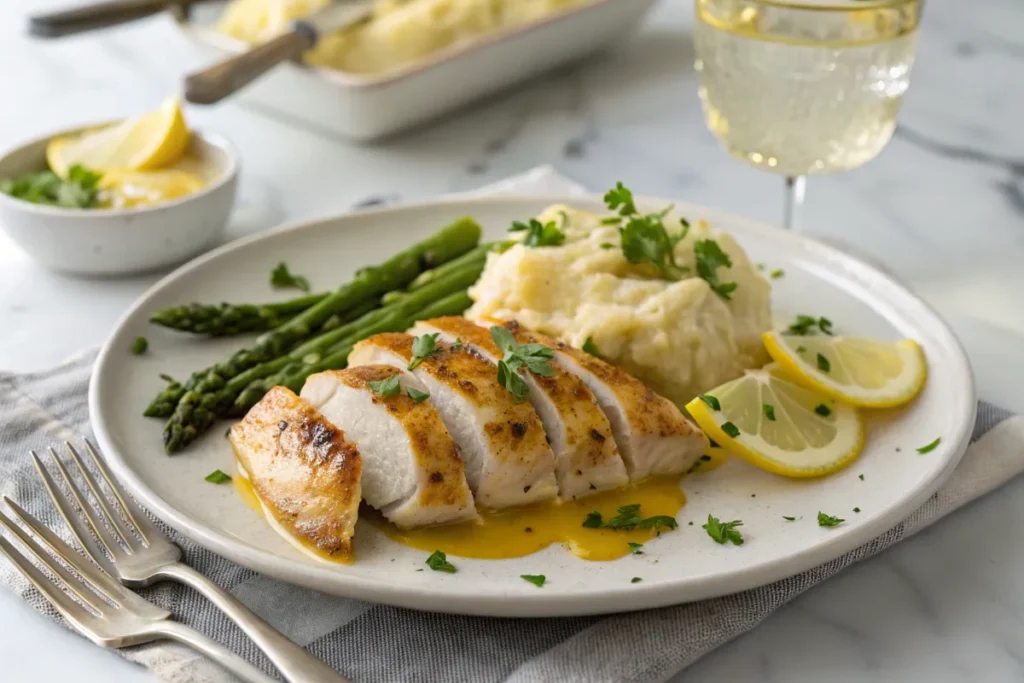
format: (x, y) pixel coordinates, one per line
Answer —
(294, 663)
(173, 630)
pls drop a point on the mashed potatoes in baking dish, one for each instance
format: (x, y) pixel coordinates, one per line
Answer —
(679, 337)
(400, 32)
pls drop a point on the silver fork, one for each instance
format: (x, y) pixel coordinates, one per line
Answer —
(135, 552)
(102, 610)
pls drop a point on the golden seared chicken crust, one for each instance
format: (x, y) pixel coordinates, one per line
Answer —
(514, 430)
(586, 426)
(304, 472)
(647, 412)
(435, 452)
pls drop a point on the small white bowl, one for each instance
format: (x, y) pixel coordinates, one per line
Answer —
(118, 241)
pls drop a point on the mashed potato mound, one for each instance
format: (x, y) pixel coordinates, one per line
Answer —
(401, 31)
(680, 338)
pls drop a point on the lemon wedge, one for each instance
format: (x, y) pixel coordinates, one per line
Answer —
(857, 370)
(780, 426)
(153, 140)
(127, 189)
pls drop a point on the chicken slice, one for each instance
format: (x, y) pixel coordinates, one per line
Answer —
(586, 458)
(412, 470)
(652, 434)
(508, 460)
(304, 472)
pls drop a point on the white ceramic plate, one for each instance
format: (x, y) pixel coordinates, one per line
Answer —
(678, 567)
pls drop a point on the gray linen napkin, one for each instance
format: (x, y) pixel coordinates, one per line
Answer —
(371, 643)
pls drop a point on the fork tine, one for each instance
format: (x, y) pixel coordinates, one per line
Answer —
(67, 580)
(112, 519)
(143, 526)
(72, 518)
(100, 580)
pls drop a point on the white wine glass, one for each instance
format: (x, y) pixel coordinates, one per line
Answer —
(806, 87)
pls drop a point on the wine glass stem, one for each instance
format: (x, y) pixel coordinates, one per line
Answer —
(793, 202)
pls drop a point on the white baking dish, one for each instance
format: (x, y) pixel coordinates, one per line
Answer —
(367, 107)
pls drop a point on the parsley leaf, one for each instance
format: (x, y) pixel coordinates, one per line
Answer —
(710, 257)
(282, 278)
(730, 429)
(534, 357)
(80, 190)
(510, 379)
(139, 346)
(635, 579)
(423, 347)
(620, 198)
(823, 410)
(628, 517)
(590, 347)
(777, 273)
(789, 519)
(438, 561)
(536, 579)
(635, 548)
(539, 234)
(218, 477)
(930, 447)
(385, 387)
(644, 238)
(711, 401)
(829, 520)
(457, 346)
(416, 395)
(607, 245)
(804, 325)
(720, 532)
(769, 411)
(823, 363)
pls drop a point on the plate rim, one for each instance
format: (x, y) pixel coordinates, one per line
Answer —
(577, 602)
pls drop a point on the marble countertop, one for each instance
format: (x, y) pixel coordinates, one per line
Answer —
(942, 207)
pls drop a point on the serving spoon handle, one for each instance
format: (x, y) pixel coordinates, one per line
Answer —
(96, 15)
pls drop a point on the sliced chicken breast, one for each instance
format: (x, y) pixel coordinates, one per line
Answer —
(508, 460)
(304, 472)
(586, 457)
(651, 432)
(412, 470)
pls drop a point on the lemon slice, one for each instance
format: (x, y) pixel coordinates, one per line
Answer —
(857, 370)
(126, 189)
(152, 140)
(780, 426)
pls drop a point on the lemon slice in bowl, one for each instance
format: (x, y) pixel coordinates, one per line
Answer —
(780, 426)
(152, 140)
(857, 370)
(128, 189)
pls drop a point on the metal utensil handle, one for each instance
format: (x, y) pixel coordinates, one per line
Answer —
(295, 664)
(176, 631)
(102, 14)
(225, 78)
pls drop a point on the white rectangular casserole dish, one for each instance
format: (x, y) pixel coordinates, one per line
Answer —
(368, 107)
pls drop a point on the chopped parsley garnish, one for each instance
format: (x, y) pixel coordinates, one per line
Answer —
(167, 378)
(711, 401)
(823, 410)
(635, 579)
(801, 349)
(730, 429)
(628, 517)
(607, 245)
(416, 395)
(80, 190)
(438, 561)
(534, 357)
(282, 278)
(140, 346)
(769, 411)
(805, 325)
(539, 234)
(590, 347)
(218, 477)
(789, 519)
(457, 346)
(861, 477)
(536, 579)
(829, 520)
(386, 387)
(823, 364)
(644, 238)
(856, 509)
(777, 273)
(720, 532)
(423, 347)
(710, 257)
(930, 447)
(635, 548)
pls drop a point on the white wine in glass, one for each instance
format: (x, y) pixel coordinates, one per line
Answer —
(807, 87)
